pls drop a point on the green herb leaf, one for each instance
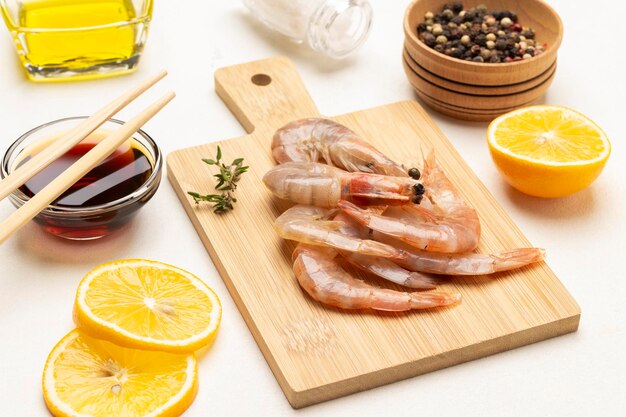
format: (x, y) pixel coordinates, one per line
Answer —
(226, 183)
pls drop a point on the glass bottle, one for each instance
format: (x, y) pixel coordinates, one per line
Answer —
(333, 27)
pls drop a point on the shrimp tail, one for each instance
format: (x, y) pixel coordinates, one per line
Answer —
(422, 300)
(517, 258)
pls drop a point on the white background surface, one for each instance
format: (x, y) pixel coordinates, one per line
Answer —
(580, 374)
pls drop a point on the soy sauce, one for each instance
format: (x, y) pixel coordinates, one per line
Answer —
(120, 174)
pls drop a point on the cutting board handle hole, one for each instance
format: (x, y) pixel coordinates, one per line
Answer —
(261, 79)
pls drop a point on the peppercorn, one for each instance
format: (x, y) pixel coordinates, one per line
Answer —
(448, 14)
(485, 53)
(429, 39)
(475, 49)
(480, 40)
(530, 51)
(490, 37)
(429, 15)
(439, 48)
(437, 29)
(441, 39)
(457, 7)
(501, 45)
(527, 56)
(490, 21)
(506, 22)
(494, 59)
(528, 33)
(465, 40)
(478, 59)
(415, 173)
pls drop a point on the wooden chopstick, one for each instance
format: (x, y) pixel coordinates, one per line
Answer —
(72, 137)
(77, 170)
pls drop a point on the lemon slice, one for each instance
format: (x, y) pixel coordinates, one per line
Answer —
(147, 305)
(86, 377)
(548, 151)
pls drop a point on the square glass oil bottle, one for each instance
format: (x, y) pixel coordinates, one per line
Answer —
(69, 39)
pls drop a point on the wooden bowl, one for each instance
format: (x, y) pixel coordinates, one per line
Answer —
(460, 112)
(532, 13)
(481, 90)
(476, 102)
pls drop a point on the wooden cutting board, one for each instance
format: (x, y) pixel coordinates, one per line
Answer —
(319, 353)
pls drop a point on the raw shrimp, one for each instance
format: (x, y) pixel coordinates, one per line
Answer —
(462, 263)
(377, 265)
(314, 140)
(307, 224)
(451, 226)
(322, 277)
(322, 185)
(471, 263)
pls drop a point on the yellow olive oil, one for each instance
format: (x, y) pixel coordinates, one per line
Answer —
(79, 48)
(60, 39)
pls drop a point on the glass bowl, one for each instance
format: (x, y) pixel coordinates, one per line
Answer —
(59, 40)
(84, 222)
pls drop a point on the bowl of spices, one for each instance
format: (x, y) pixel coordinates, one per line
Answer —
(106, 198)
(481, 56)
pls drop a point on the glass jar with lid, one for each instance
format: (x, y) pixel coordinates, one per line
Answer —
(333, 27)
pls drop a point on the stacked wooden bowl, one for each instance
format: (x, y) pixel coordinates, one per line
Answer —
(481, 91)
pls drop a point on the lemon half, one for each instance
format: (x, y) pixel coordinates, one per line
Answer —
(548, 151)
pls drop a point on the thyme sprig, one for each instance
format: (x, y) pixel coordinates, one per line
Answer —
(227, 180)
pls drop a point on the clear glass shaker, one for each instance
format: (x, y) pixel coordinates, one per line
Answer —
(333, 27)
